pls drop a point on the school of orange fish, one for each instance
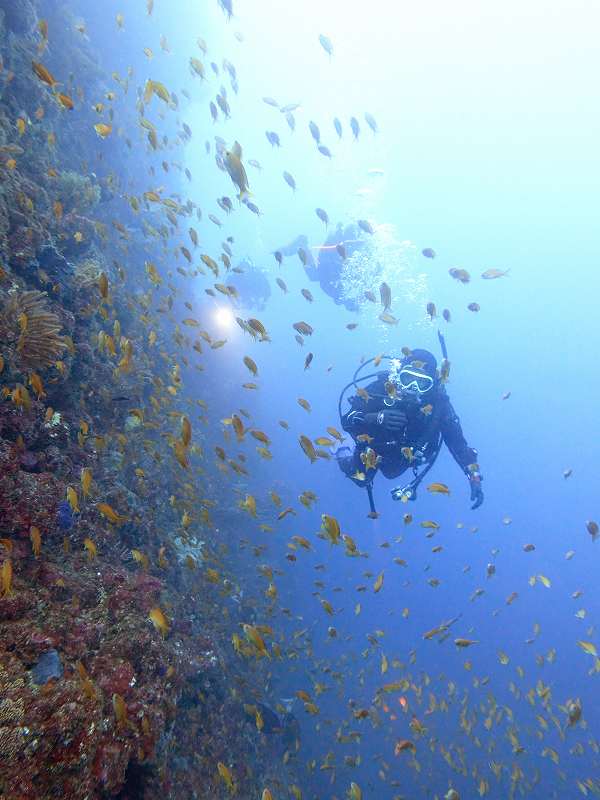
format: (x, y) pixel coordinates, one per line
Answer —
(426, 719)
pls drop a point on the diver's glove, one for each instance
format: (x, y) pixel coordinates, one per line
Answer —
(475, 479)
(390, 419)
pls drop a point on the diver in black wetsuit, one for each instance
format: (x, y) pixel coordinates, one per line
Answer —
(330, 261)
(401, 426)
(252, 286)
(327, 269)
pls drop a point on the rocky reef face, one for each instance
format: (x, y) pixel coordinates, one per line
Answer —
(98, 697)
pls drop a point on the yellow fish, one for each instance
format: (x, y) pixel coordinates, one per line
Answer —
(355, 792)
(103, 285)
(102, 129)
(589, 648)
(157, 88)
(181, 454)
(362, 393)
(159, 621)
(238, 427)
(43, 74)
(36, 540)
(323, 441)
(249, 504)
(255, 638)
(141, 558)
(327, 607)
(73, 500)
(369, 458)
(331, 528)
(225, 774)
(186, 431)
(335, 433)
(307, 446)
(235, 168)
(438, 488)
(36, 384)
(6, 577)
(65, 101)
(110, 514)
(92, 550)
(260, 436)
(120, 709)
(86, 480)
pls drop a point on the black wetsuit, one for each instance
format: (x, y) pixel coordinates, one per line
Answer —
(329, 266)
(422, 432)
(327, 269)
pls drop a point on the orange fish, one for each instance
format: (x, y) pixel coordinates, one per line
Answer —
(6, 578)
(403, 744)
(103, 130)
(159, 621)
(110, 514)
(120, 709)
(65, 101)
(91, 548)
(43, 74)
(36, 540)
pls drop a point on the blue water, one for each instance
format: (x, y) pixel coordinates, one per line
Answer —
(488, 128)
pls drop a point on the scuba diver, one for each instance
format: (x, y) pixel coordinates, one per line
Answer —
(252, 286)
(330, 261)
(398, 423)
(327, 269)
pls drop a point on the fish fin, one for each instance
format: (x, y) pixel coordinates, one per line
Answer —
(237, 149)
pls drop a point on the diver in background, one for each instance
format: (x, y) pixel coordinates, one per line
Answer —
(327, 270)
(252, 286)
(330, 261)
(291, 249)
(401, 426)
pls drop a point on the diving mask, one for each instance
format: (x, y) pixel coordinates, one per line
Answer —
(413, 380)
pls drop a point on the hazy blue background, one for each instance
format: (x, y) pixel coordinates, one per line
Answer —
(488, 121)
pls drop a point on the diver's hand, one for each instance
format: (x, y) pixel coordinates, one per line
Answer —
(476, 490)
(390, 419)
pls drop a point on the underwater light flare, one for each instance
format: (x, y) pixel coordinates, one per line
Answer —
(224, 317)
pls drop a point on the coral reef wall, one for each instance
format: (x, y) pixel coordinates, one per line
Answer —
(117, 675)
